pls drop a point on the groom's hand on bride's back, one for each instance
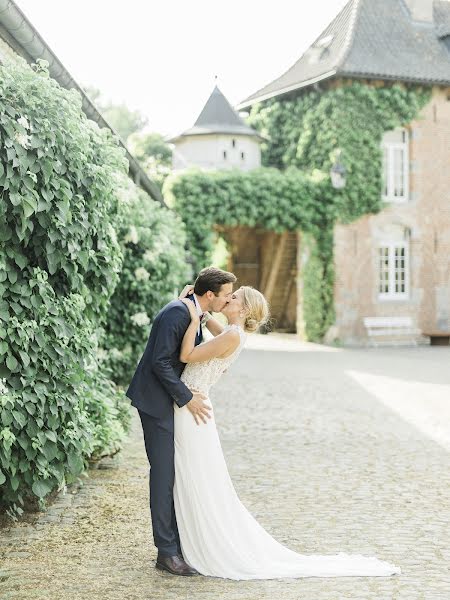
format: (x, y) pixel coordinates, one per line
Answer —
(198, 407)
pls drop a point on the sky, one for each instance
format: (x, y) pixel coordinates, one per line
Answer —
(161, 58)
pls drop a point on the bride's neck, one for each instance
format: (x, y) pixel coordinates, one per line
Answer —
(236, 321)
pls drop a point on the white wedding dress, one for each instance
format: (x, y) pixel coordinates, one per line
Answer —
(219, 537)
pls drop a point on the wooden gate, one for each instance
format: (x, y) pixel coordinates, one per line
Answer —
(268, 262)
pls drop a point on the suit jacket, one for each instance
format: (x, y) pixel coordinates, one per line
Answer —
(156, 382)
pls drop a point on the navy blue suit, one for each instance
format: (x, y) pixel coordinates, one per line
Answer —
(154, 387)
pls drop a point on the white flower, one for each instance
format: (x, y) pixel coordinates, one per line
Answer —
(101, 354)
(115, 354)
(150, 256)
(23, 121)
(112, 233)
(132, 235)
(23, 139)
(141, 274)
(141, 319)
(32, 175)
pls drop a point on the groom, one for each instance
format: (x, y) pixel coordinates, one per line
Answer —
(155, 386)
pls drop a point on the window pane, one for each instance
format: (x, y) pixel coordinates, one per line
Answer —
(400, 271)
(385, 171)
(392, 269)
(383, 279)
(398, 175)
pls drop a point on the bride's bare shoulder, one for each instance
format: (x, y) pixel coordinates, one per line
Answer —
(233, 338)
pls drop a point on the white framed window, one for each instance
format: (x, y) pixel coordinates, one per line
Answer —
(393, 270)
(395, 165)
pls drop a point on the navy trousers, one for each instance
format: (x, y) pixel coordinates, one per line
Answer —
(160, 448)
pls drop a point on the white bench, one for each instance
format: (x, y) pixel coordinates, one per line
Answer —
(394, 327)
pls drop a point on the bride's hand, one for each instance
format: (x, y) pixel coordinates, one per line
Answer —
(187, 290)
(192, 310)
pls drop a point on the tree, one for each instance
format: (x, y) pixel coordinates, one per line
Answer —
(143, 145)
(119, 116)
(151, 150)
(153, 153)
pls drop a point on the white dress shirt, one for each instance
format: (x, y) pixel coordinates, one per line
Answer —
(199, 311)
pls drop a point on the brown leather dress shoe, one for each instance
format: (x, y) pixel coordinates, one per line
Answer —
(175, 565)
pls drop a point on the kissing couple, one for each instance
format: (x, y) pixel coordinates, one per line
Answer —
(200, 527)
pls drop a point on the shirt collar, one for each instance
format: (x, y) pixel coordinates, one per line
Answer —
(197, 305)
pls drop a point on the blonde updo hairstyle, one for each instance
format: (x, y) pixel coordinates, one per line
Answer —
(257, 309)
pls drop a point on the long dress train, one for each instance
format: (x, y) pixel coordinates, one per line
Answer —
(219, 537)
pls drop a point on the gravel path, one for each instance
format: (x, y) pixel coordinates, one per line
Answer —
(331, 449)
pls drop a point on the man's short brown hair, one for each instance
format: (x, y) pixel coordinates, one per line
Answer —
(212, 278)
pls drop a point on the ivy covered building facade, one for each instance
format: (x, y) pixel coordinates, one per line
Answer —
(374, 88)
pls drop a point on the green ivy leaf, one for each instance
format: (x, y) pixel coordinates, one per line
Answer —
(75, 463)
(42, 488)
(12, 276)
(20, 418)
(12, 363)
(25, 358)
(51, 435)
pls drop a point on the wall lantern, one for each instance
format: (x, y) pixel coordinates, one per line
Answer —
(337, 173)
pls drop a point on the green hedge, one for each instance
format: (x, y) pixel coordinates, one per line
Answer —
(262, 197)
(60, 261)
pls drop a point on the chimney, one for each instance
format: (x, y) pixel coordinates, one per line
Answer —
(421, 10)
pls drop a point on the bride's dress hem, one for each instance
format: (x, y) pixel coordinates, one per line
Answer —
(219, 536)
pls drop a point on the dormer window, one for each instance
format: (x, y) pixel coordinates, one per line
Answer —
(319, 49)
(395, 165)
(325, 41)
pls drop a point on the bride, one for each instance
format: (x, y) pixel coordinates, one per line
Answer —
(219, 537)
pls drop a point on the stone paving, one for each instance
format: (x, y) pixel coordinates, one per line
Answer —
(320, 450)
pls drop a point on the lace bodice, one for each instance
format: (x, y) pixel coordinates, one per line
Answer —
(202, 375)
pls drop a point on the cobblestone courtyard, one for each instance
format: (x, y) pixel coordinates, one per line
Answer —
(331, 449)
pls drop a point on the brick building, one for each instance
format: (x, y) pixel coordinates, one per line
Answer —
(395, 264)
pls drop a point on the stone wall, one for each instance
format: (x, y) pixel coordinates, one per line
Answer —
(423, 221)
(6, 52)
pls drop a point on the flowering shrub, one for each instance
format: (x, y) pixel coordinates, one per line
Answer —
(59, 265)
(154, 267)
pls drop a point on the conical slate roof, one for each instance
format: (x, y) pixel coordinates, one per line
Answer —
(218, 116)
(376, 39)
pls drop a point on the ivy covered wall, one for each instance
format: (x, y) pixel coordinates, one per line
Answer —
(306, 132)
(59, 264)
